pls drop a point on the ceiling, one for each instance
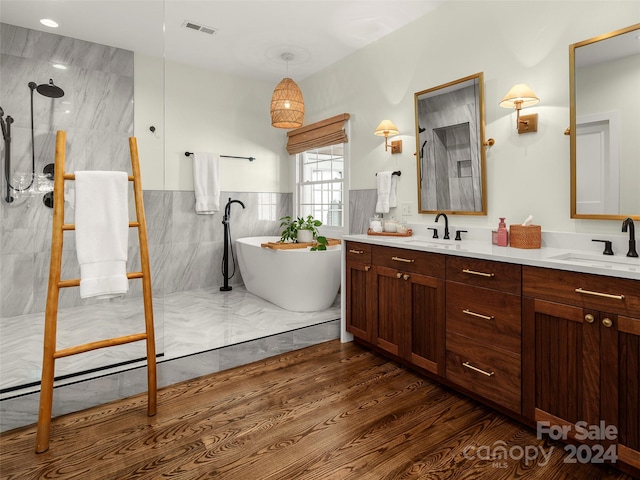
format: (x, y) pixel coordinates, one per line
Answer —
(250, 36)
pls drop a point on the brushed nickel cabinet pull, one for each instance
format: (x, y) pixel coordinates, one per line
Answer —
(479, 315)
(367, 268)
(357, 252)
(473, 272)
(398, 275)
(476, 369)
(405, 277)
(405, 260)
(599, 294)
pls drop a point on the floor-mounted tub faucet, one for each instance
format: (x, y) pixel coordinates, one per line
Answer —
(446, 224)
(628, 224)
(227, 245)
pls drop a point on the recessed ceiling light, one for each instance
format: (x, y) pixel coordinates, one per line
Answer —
(59, 66)
(47, 22)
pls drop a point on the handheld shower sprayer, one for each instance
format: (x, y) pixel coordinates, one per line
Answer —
(6, 135)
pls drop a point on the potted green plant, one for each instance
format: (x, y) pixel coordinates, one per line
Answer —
(302, 230)
(308, 229)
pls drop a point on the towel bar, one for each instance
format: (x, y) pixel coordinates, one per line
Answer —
(251, 159)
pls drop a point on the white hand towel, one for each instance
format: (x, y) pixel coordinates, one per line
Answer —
(383, 180)
(206, 182)
(102, 232)
(393, 196)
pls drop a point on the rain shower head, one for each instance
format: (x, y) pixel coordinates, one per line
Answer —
(48, 89)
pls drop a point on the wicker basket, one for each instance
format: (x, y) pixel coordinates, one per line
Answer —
(525, 237)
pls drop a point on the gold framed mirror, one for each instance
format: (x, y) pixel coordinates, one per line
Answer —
(605, 120)
(450, 152)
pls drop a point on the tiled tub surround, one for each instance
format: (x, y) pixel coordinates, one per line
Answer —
(185, 249)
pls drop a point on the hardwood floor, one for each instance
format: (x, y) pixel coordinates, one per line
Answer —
(331, 411)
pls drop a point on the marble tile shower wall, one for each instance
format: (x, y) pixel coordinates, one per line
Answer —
(96, 111)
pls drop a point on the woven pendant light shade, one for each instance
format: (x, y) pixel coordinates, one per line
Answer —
(287, 105)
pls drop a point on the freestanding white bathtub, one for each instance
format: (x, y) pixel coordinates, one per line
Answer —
(294, 279)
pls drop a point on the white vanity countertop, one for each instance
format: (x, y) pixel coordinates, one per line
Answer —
(559, 258)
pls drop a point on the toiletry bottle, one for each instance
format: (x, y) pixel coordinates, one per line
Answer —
(503, 235)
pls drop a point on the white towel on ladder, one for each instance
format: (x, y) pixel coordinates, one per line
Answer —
(102, 232)
(206, 182)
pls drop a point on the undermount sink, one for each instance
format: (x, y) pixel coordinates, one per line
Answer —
(435, 243)
(603, 261)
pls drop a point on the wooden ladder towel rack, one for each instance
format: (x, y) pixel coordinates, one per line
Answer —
(55, 284)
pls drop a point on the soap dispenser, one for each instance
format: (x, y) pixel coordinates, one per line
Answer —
(503, 234)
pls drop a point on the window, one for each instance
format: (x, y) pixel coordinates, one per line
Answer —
(321, 184)
(322, 179)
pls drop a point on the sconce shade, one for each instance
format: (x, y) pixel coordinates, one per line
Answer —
(386, 128)
(287, 105)
(519, 96)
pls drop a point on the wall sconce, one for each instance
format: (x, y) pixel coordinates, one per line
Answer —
(385, 129)
(522, 96)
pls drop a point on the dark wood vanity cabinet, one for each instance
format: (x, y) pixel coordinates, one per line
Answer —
(395, 301)
(581, 347)
(548, 345)
(358, 276)
(408, 309)
(483, 351)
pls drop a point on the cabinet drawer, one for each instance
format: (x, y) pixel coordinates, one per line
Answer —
(492, 316)
(485, 273)
(490, 372)
(358, 252)
(609, 294)
(430, 264)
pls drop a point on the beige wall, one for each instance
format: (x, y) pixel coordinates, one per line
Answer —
(511, 42)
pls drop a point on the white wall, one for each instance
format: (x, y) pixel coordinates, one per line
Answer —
(149, 111)
(193, 109)
(214, 112)
(511, 42)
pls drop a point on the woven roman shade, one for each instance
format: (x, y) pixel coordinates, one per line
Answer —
(320, 134)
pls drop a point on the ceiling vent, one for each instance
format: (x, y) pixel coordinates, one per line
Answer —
(199, 28)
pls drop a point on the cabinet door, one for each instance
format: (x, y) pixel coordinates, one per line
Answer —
(389, 309)
(358, 311)
(562, 363)
(620, 383)
(425, 346)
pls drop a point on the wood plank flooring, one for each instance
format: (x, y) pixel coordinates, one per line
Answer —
(331, 411)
